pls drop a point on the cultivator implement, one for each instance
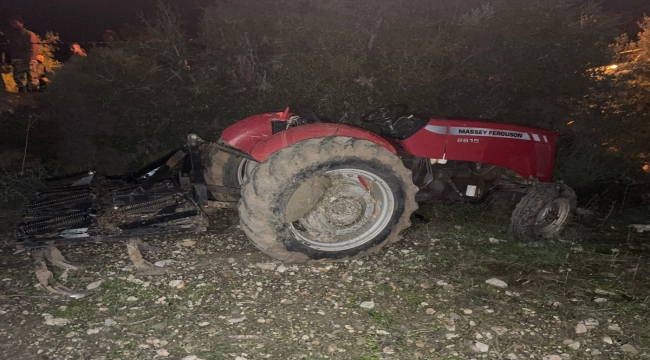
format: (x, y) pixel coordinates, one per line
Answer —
(80, 208)
(112, 209)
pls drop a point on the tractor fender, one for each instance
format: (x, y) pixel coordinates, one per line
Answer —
(273, 143)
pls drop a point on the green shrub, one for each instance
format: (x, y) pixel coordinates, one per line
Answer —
(588, 166)
(517, 61)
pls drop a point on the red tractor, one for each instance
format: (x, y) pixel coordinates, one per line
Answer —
(307, 188)
(313, 189)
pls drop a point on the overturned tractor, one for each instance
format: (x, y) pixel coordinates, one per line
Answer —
(307, 188)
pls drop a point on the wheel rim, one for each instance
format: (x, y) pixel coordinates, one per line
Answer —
(245, 170)
(552, 217)
(354, 208)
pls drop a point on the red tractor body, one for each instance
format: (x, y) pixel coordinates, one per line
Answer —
(528, 151)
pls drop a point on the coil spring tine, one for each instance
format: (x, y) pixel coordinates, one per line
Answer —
(60, 203)
(149, 204)
(60, 222)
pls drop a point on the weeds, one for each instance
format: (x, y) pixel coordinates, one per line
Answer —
(17, 186)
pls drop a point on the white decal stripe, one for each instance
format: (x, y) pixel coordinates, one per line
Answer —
(470, 131)
(536, 137)
(437, 129)
(545, 139)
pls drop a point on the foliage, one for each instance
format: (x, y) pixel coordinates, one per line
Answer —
(510, 61)
(489, 61)
(16, 186)
(48, 46)
(619, 103)
(584, 166)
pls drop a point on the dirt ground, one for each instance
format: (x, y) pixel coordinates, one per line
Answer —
(585, 297)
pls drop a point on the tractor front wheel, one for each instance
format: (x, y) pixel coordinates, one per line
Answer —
(327, 198)
(543, 213)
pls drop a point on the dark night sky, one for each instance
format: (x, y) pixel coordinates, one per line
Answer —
(85, 20)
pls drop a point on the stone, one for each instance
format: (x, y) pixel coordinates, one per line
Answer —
(499, 330)
(367, 305)
(162, 352)
(481, 347)
(552, 357)
(94, 285)
(188, 243)
(580, 328)
(575, 345)
(600, 300)
(179, 284)
(603, 292)
(132, 298)
(236, 320)
(430, 311)
(449, 324)
(496, 282)
(281, 269)
(266, 266)
(627, 348)
(163, 263)
(512, 356)
(591, 322)
(92, 331)
(205, 323)
(608, 340)
(56, 321)
(109, 322)
(614, 327)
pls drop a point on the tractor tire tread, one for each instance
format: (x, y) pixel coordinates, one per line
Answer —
(522, 222)
(257, 205)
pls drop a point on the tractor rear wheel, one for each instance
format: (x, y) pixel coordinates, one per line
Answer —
(543, 213)
(225, 169)
(327, 198)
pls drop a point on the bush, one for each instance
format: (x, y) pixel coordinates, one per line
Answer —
(514, 61)
(586, 166)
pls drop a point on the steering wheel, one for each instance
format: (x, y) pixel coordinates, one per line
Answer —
(385, 113)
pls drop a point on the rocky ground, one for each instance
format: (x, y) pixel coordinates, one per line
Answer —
(456, 287)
